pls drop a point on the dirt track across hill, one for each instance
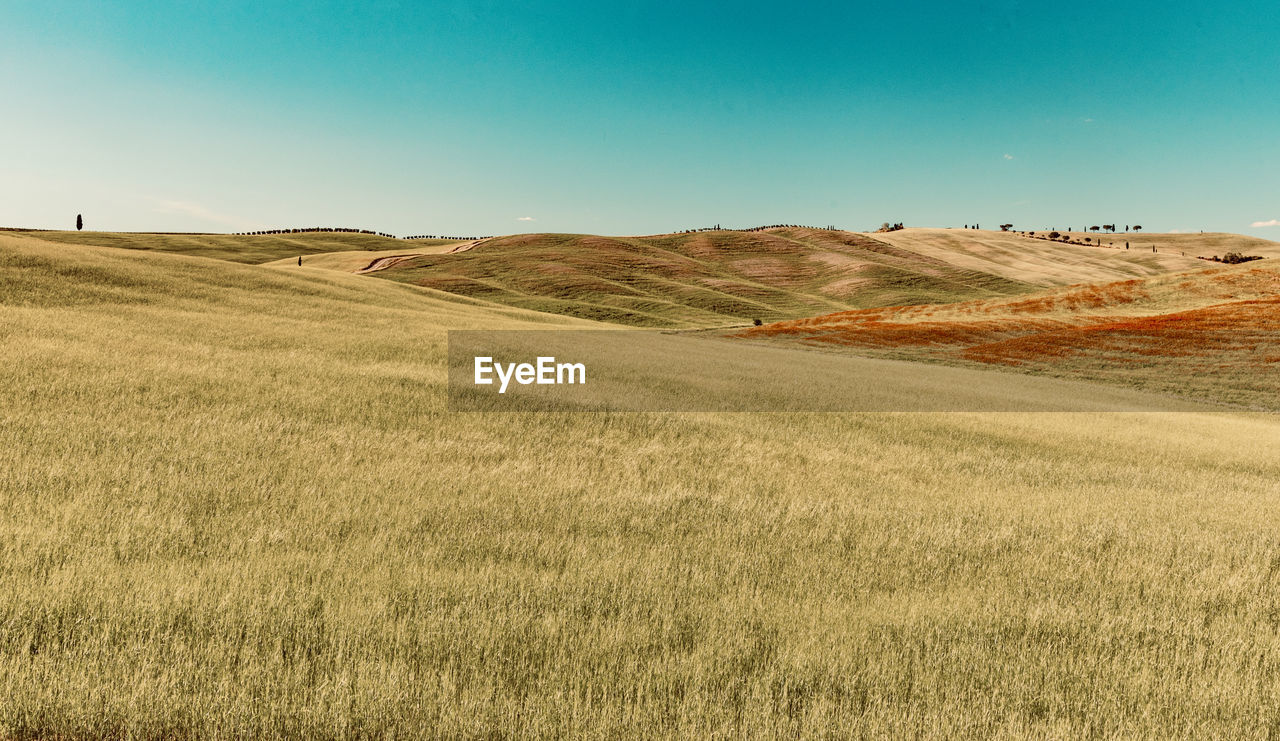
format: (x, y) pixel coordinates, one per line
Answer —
(382, 263)
(467, 245)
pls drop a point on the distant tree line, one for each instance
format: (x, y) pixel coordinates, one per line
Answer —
(1101, 227)
(306, 230)
(828, 227)
(1056, 236)
(346, 230)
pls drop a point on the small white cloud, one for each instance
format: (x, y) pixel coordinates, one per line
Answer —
(197, 211)
(1176, 231)
(1273, 222)
(526, 218)
(1008, 156)
(1088, 120)
(188, 208)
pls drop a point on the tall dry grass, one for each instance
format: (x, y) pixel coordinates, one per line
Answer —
(232, 505)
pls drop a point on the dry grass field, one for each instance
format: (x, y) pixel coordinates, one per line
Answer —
(240, 248)
(233, 505)
(1040, 262)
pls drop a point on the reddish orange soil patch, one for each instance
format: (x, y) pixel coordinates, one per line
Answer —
(1214, 336)
(1239, 332)
(1244, 331)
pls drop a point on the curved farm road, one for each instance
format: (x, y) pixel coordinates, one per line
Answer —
(382, 263)
(468, 245)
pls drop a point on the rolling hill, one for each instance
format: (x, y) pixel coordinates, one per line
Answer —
(726, 277)
(702, 279)
(1194, 244)
(250, 249)
(1039, 262)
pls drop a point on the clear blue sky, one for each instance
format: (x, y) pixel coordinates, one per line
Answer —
(474, 117)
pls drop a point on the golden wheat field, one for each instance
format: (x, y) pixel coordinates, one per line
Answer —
(234, 504)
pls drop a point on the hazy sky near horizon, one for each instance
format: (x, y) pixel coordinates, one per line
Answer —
(477, 118)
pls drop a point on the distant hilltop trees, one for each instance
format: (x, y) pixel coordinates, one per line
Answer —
(1231, 258)
(310, 229)
(887, 227)
(1099, 228)
(718, 228)
(344, 230)
(1106, 228)
(829, 227)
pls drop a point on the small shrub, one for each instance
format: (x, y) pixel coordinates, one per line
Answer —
(1235, 258)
